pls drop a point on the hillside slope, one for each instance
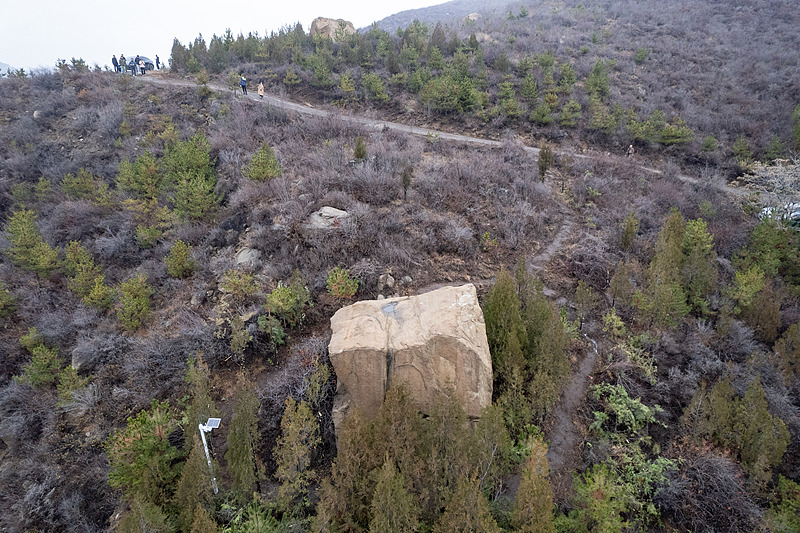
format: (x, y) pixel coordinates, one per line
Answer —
(643, 319)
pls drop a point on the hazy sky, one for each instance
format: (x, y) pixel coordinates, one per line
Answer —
(34, 34)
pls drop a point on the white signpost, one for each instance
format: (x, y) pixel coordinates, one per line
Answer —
(212, 423)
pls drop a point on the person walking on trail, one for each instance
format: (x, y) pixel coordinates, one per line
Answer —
(630, 151)
(243, 83)
(158, 66)
(261, 89)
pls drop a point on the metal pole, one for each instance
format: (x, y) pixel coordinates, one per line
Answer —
(208, 457)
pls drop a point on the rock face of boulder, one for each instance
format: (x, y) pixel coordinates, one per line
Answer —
(327, 27)
(429, 342)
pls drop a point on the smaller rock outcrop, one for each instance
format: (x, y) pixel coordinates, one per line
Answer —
(431, 343)
(248, 258)
(331, 28)
(326, 218)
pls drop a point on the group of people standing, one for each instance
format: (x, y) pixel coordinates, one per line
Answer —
(135, 66)
(243, 85)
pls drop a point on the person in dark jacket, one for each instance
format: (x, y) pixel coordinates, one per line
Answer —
(158, 66)
(122, 64)
(115, 63)
(243, 83)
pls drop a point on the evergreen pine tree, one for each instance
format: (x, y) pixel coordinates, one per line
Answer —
(546, 160)
(620, 285)
(505, 329)
(203, 521)
(145, 516)
(629, 229)
(761, 438)
(28, 250)
(533, 504)
(393, 508)
(344, 501)
(360, 151)
(201, 406)
(194, 487)
(144, 464)
(788, 351)
(398, 427)
(263, 165)
(699, 264)
(467, 511)
(243, 439)
(601, 501)
(134, 302)
(665, 300)
(293, 453)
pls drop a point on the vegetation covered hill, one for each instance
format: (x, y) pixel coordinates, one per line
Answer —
(705, 83)
(158, 269)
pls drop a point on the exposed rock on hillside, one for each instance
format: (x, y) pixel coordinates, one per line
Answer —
(777, 184)
(429, 342)
(327, 218)
(328, 27)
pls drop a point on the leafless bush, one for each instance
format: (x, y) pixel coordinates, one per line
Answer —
(191, 233)
(109, 119)
(82, 401)
(739, 344)
(45, 496)
(46, 80)
(520, 224)
(369, 185)
(22, 132)
(292, 381)
(23, 415)
(70, 221)
(592, 262)
(394, 251)
(668, 193)
(156, 365)
(117, 246)
(84, 120)
(96, 349)
(708, 494)
(59, 324)
(459, 238)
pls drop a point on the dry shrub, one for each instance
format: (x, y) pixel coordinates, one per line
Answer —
(372, 186)
(99, 348)
(592, 262)
(71, 221)
(292, 380)
(708, 493)
(109, 120)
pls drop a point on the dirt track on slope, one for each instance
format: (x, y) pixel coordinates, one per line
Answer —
(380, 125)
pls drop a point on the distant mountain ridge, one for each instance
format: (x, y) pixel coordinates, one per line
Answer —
(4, 67)
(442, 12)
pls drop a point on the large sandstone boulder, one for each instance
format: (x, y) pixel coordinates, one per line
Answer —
(328, 27)
(429, 342)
